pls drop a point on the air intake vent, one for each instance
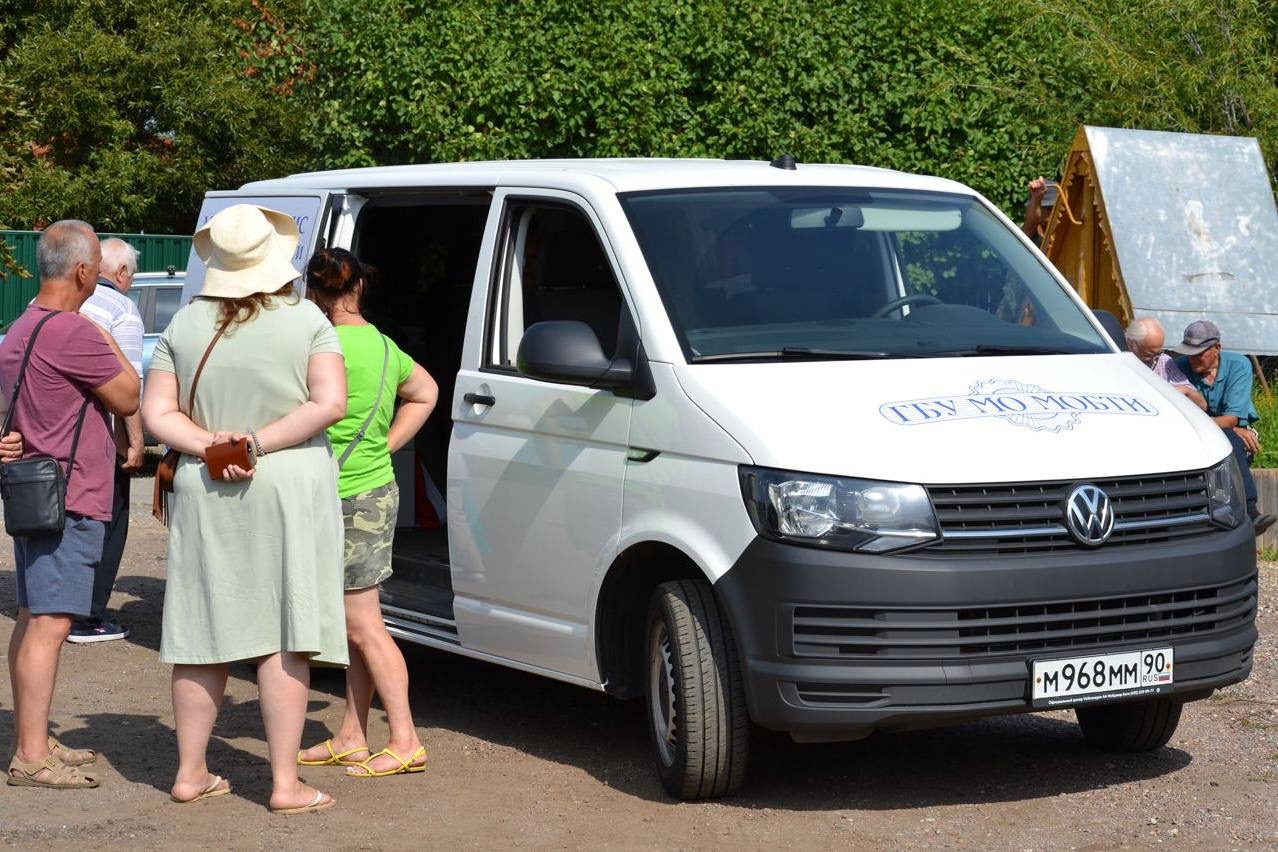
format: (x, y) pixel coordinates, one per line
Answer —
(840, 694)
(990, 631)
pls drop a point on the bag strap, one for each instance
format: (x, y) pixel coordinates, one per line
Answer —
(75, 441)
(195, 380)
(381, 385)
(22, 373)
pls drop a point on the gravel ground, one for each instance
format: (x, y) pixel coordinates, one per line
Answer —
(522, 761)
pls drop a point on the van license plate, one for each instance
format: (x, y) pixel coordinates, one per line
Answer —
(1081, 680)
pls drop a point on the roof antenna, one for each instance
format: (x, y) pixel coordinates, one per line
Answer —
(785, 161)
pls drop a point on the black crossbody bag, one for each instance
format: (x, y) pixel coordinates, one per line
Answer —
(34, 490)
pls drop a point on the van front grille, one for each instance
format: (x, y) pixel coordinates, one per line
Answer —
(986, 631)
(993, 520)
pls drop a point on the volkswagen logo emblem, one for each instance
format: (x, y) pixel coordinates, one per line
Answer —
(1089, 515)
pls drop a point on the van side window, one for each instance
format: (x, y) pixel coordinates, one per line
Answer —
(554, 269)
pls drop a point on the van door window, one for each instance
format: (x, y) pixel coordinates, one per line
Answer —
(554, 269)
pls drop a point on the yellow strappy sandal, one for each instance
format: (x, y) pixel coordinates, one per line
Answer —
(334, 758)
(405, 766)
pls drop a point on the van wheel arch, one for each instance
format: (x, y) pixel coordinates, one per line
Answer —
(621, 611)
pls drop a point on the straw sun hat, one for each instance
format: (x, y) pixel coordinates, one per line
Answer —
(247, 249)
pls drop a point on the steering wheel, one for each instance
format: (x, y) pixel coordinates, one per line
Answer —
(915, 299)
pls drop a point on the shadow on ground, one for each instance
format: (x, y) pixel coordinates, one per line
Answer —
(1009, 758)
(1002, 759)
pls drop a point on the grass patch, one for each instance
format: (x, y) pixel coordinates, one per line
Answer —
(1267, 554)
(1267, 408)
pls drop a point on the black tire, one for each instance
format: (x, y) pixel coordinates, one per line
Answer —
(696, 700)
(1135, 726)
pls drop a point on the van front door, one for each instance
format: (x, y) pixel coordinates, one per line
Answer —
(535, 468)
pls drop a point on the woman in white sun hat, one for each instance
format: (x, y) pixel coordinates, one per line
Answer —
(255, 558)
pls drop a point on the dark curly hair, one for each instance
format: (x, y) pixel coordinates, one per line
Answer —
(332, 274)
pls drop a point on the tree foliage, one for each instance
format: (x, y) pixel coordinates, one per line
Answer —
(989, 93)
(125, 111)
(134, 108)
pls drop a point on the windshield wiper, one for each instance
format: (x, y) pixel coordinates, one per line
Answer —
(797, 353)
(993, 349)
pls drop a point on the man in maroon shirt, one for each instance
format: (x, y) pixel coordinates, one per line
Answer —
(72, 362)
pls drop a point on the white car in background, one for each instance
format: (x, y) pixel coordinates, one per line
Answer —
(157, 296)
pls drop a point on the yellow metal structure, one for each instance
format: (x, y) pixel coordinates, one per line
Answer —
(1078, 239)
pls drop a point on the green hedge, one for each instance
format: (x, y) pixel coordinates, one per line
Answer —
(989, 92)
(125, 111)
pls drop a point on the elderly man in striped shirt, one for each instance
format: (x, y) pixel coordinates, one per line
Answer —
(112, 309)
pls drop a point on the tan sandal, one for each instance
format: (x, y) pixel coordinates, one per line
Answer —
(317, 804)
(72, 756)
(217, 786)
(59, 777)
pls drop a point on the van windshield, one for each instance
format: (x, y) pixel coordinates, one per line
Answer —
(815, 273)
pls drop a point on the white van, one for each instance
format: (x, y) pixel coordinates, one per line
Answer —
(821, 448)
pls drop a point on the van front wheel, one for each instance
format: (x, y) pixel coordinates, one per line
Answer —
(1135, 726)
(696, 700)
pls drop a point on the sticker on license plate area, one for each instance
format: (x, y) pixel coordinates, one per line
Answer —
(1082, 680)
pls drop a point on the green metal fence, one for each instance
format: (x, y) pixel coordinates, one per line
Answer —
(156, 254)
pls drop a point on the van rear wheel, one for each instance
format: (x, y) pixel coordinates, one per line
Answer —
(696, 698)
(1135, 726)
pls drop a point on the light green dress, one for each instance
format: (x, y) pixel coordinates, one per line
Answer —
(255, 567)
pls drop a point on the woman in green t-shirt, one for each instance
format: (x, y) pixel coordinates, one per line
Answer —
(376, 373)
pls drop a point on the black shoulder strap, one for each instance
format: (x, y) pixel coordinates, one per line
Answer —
(377, 403)
(17, 386)
(22, 373)
(75, 441)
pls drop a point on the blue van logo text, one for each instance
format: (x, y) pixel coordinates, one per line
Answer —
(1024, 405)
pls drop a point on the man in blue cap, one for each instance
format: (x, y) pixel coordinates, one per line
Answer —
(1224, 380)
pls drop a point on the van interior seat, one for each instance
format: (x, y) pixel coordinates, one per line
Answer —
(813, 274)
(572, 280)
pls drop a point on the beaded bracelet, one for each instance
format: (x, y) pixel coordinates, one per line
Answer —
(257, 445)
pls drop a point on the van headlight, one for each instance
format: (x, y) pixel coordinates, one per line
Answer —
(1225, 494)
(838, 512)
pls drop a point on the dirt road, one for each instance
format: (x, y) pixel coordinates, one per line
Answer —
(521, 761)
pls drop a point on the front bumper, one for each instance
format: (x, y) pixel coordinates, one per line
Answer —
(836, 645)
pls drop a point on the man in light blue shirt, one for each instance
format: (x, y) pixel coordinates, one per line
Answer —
(1224, 380)
(112, 309)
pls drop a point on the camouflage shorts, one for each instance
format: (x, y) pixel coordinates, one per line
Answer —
(370, 531)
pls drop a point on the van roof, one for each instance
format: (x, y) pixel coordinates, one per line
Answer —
(621, 175)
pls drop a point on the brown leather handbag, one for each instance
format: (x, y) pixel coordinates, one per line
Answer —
(167, 467)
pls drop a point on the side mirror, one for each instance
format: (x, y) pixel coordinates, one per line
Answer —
(569, 352)
(1113, 328)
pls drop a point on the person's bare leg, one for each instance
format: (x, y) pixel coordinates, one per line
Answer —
(283, 683)
(33, 672)
(197, 695)
(370, 639)
(15, 642)
(353, 732)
